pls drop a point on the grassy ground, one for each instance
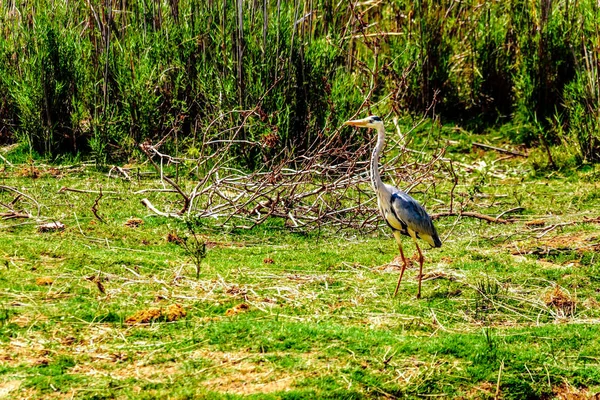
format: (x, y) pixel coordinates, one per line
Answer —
(113, 310)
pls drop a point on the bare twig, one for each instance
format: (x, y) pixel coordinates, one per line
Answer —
(20, 194)
(150, 151)
(512, 210)
(470, 214)
(66, 189)
(14, 215)
(499, 149)
(95, 206)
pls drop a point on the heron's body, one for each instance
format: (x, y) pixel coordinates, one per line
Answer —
(403, 214)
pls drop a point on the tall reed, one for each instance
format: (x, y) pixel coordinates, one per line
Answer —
(101, 76)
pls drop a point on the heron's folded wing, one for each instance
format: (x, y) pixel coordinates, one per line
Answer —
(409, 211)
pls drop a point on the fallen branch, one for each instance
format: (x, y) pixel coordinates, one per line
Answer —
(18, 197)
(512, 210)
(472, 215)
(499, 149)
(14, 215)
(6, 161)
(66, 189)
(151, 207)
(121, 170)
(150, 150)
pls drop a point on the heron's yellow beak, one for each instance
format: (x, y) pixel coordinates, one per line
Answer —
(358, 122)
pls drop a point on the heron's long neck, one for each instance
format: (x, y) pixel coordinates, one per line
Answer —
(375, 177)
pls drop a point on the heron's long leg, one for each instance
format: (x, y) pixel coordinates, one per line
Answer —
(421, 259)
(404, 265)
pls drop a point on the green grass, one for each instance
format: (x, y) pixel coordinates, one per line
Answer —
(509, 309)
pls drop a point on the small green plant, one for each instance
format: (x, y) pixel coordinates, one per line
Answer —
(487, 288)
(193, 244)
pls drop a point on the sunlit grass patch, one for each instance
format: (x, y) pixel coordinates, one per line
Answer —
(109, 309)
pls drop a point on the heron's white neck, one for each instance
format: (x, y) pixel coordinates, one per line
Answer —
(375, 177)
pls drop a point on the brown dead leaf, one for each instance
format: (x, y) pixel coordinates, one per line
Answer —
(134, 222)
(535, 222)
(173, 237)
(144, 316)
(560, 300)
(29, 172)
(170, 314)
(240, 308)
(174, 312)
(44, 281)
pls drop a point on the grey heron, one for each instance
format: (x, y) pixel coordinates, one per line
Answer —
(403, 214)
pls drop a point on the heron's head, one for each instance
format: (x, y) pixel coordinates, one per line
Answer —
(370, 122)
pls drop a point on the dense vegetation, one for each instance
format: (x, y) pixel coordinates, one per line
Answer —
(99, 77)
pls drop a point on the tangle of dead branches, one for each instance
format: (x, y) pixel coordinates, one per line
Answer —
(11, 207)
(328, 185)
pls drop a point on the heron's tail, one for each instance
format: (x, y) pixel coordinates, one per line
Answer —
(436, 241)
(433, 240)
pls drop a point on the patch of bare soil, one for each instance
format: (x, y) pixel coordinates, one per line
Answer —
(484, 390)
(250, 381)
(148, 372)
(19, 352)
(239, 375)
(535, 223)
(6, 388)
(572, 243)
(568, 392)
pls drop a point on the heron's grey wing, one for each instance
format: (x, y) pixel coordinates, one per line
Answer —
(409, 211)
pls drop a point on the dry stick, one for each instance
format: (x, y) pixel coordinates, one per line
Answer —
(454, 183)
(6, 161)
(498, 149)
(155, 190)
(497, 394)
(12, 189)
(121, 170)
(470, 214)
(95, 206)
(512, 210)
(149, 205)
(186, 199)
(66, 189)
(14, 215)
